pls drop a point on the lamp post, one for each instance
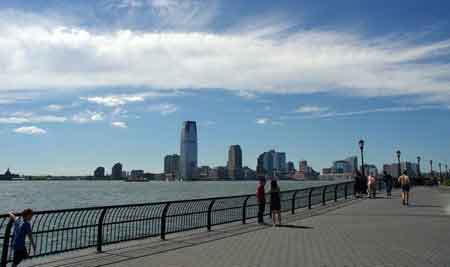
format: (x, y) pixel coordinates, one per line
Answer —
(418, 166)
(440, 171)
(399, 153)
(361, 147)
(446, 170)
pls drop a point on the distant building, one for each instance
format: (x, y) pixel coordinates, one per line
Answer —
(219, 173)
(353, 161)
(341, 169)
(371, 170)
(204, 172)
(8, 175)
(116, 171)
(248, 173)
(137, 173)
(234, 164)
(172, 166)
(342, 166)
(272, 163)
(290, 167)
(188, 150)
(392, 169)
(305, 172)
(99, 172)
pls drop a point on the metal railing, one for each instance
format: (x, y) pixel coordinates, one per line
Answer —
(57, 231)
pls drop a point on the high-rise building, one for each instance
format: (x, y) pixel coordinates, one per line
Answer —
(302, 166)
(172, 165)
(271, 163)
(188, 150)
(234, 164)
(290, 167)
(99, 172)
(279, 161)
(116, 172)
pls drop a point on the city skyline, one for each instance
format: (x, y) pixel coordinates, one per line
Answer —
(91, 83)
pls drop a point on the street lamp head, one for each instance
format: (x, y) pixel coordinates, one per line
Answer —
(398, 153)
(419, 158)
(361, 144)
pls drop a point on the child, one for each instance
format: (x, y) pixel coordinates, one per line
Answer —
(22, 229)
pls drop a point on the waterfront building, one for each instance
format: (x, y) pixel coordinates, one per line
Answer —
(99, 172)
(172, 166)
(290, 167)
(353, 162)
(116, 171)
(137, 173)
(234, 164)
(204, 172)
(410, 167)
(219, 172)
(279, 162)
(370, 170)
(342, 166)
(248, 173)
(188, 150)
(305, 172)
(8, 175)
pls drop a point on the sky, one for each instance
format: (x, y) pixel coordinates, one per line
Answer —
(91, 83)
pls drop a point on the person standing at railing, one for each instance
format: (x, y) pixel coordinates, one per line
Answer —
(275, 203)
(22, 229)
(261, 199)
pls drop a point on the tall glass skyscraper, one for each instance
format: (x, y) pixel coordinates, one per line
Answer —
(188, 150)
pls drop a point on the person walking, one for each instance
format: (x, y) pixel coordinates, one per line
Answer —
(405, 185)
(371, 185)
(275, 203)
(388, 181)
(22, 229)
(261, 199)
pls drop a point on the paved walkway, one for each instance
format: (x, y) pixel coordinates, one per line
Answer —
(377, 232)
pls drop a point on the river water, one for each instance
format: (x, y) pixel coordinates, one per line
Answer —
(46, 195)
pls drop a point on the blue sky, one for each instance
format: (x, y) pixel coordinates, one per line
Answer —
(90, 83)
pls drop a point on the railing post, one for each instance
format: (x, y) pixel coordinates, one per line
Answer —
(293, 202)
(309, 198)
(244, 210)
(209, 214)
(5, 249)
(163, 221)
(336, 193)
(324, 191)
(346, 190)
(100, 230)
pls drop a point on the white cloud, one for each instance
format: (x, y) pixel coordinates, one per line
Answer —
(332, 114)
(306, 61)
(119, 124)
(123, 99)
(164, 108)
(88, 116)
(311, 109)
(30, 130)
(262, 120)
(246, 94)
(26, 117)
(54, 107)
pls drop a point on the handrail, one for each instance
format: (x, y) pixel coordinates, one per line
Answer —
(63, 230)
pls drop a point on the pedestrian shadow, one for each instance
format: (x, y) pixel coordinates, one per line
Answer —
(294, 226)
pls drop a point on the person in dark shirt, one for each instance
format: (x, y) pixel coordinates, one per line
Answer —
(388, 180)
(261, 199)
(275, 203)
(22, 229)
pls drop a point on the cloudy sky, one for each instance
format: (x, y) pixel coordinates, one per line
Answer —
(90, 83)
